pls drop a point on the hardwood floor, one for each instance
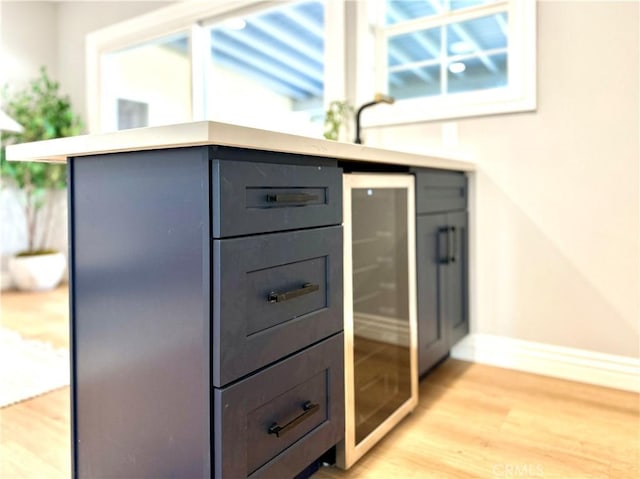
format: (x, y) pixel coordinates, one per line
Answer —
(473, 421)
(34, 434)
(43, 315)
(476, 421)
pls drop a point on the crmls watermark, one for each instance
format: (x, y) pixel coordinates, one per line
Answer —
(518, 470)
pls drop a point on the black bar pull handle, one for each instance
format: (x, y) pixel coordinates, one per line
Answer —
(454, 247)
(280, 297)
(446, 258)
(292, 198)
(309, 410)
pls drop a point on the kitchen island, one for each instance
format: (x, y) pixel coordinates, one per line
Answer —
(206, 294)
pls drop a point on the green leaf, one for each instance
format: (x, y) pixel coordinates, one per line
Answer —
(336, 115)
(44, 114)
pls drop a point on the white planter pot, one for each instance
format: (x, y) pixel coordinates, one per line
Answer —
(38, 272)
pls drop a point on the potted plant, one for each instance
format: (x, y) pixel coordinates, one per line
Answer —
(43, 114)
(336, 120)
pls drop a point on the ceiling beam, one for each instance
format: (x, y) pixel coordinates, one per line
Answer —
(467, 37)
(312, 53)
(243, 54)
(502, 23)
(249, 70)
(308, 69)
(303, 20)
(423, 42)
(402, 57)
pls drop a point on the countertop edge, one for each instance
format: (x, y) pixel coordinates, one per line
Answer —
(221, 134)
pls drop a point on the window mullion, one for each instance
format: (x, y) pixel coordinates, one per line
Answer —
(382, 73)
(199, 42)
(446, 18)
(335, 66)
(443, 58)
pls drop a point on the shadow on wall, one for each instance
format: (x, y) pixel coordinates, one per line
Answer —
(13, 234)
(529, 288)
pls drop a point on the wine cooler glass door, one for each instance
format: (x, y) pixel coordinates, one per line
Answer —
(379, 307)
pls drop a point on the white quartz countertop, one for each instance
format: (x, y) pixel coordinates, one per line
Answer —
(223, 134)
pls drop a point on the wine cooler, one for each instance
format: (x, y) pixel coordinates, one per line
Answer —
(381, 379)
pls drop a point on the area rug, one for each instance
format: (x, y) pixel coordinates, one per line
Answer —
(29, 368)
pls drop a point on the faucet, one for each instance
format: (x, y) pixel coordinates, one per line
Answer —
(378, 98)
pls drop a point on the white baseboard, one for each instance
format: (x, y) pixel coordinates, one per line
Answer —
(619, 372)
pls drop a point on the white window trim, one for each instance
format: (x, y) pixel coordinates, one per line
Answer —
(187, 17)
(165, 21)
(518, 96)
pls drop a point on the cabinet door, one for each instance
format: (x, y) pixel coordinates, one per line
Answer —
(432, 256)
(457, 315)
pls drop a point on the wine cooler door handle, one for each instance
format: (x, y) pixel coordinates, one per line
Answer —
(281, 297)
(309, 410)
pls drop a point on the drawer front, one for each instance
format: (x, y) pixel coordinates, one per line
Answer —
(276, 422)
(249, 198)
(438, 191)
(273, 295)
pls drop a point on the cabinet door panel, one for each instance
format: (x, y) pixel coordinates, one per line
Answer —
(140, 310)
(457, 316)
(431, 250)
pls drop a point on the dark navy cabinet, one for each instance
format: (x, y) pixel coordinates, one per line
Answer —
(206, 313)
(442, 269)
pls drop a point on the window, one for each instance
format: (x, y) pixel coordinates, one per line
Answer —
(147, 84)
(278, 64)
(248, 62)
(266, 69)
(452, 58)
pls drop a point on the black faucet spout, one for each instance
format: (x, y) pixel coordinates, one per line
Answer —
(379, 98)
(358, 140)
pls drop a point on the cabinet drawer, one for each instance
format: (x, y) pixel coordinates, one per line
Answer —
(273, 295)
(276, 422)
(250, 197)
(438, 191)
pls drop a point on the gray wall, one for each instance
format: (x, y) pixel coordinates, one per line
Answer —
(556, 226)
(75, 20)
(28, 31)
(50, 34)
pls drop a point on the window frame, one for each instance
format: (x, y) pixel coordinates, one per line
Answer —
(190, 17)
(350, 60)
(518, 96)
